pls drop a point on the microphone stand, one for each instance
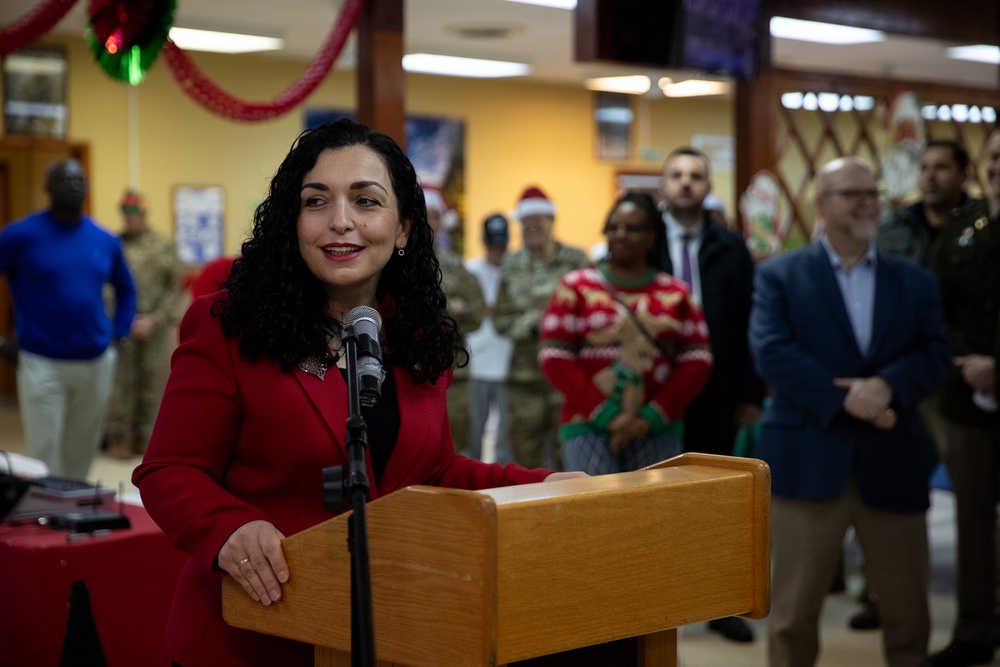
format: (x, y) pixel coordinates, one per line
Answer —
(356, 485)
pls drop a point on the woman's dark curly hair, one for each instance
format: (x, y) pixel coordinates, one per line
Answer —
(657, 255)
(278, 308)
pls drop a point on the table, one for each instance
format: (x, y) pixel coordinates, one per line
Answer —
(130, 573)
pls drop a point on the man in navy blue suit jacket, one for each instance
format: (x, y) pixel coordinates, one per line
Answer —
(850, 340)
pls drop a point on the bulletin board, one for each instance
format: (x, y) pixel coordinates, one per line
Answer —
(198, 214)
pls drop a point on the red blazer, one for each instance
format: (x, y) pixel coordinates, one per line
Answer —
(238, 440)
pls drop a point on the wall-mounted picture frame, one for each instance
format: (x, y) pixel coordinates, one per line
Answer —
(34, 92)
(198, 214)
(613, 126)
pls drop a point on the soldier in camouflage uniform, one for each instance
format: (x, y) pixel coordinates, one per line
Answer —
(156, 271)
(465, 304)
(528, 279)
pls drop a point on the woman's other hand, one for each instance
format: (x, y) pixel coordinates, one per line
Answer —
(253, 556)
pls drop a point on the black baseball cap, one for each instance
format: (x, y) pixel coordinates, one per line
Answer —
(495, 230)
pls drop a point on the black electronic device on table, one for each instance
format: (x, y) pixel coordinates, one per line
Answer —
(31, 499)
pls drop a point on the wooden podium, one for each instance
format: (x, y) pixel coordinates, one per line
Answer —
(483, 578)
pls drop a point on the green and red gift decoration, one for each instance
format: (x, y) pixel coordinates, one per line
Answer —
(126, 36)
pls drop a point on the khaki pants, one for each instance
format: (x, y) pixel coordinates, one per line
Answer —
(806, 540)
(63, 407)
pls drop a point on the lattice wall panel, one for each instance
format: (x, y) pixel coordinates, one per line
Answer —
(808, 139)
(815, 125)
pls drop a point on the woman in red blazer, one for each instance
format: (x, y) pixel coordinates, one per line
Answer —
(256, 403)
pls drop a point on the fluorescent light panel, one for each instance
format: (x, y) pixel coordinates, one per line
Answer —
(693, 88)
(223, 42)
(822, 33)
(980, 53)
(558, 4)
(632, 85)
(428, 63)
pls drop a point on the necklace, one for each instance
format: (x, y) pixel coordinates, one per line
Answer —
(318, 367)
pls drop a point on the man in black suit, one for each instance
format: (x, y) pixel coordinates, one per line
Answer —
(716, 263)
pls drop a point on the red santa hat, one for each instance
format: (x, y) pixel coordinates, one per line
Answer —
(434, 199)
(534, 202)
(132, 202)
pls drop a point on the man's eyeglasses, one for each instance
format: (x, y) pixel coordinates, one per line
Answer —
(629, 230)
(854, 196)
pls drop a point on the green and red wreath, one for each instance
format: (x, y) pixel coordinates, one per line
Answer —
(126, 36)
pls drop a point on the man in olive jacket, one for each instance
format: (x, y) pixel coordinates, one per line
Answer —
(967, 262)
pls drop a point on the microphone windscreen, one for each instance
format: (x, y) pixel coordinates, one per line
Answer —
(365, 320)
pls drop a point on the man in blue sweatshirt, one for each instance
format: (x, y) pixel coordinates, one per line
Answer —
(57, 262)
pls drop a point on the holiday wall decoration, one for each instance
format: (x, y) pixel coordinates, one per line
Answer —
(126, 36)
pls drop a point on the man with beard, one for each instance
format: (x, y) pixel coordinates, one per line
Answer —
(715, 262)
(850, 340)
(912, 230)
(966, 259)
(58, 262)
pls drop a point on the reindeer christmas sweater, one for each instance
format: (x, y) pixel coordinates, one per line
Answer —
(604, 360)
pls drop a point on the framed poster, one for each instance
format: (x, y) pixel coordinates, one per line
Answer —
(34, 91)
(613, 126)
(198, 222)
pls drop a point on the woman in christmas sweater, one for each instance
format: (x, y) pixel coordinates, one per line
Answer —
(627, 346)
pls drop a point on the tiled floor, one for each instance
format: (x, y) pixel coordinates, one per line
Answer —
(841, 647)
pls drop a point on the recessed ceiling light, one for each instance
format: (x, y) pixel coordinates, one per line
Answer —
(633, 85)
(558, 4)
(980, 53)
(693, 88)
(822, 33)
(223, 42)
(428, 63)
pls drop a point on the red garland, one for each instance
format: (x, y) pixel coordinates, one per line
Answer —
(33, 25)
(198, 87)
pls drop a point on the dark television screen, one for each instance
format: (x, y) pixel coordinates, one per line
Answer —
(717, 36)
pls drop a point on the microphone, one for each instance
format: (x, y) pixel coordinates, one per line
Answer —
(366, 323)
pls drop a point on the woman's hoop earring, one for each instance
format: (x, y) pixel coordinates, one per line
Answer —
(400, 252)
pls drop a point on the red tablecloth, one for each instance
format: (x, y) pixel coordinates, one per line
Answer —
(130, 573)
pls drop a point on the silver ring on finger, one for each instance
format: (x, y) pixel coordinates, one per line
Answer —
(243, 562)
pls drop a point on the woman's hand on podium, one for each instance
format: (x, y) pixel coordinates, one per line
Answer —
(253, 556)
